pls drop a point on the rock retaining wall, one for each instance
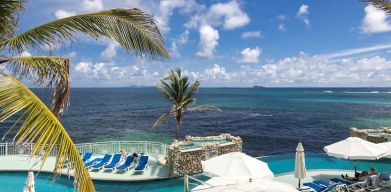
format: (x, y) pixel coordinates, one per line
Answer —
(188, 161)
(377, 135)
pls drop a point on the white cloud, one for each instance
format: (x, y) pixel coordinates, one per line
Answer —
(174, 50)
(25, 54)
(175, 44)
(303, 70)
(93, 5)
(72, 54)
(281, 17)
(110, 52)
(184, 37)
(63, 14)
(250, 55)
(208, 41)
(303, 13)
(356, 51)
(281, 27)
(215, 72)
(83, 67)
(100, 71)
(251, 34)
(166, 9)
(375, 20)
(233, 16)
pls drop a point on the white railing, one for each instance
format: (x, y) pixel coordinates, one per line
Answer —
(96, 148)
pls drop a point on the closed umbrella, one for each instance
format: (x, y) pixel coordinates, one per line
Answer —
(300, 170)
(354, 148)
(30, 183)
(236, 165)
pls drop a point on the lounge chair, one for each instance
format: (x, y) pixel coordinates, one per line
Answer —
(129, 162)
(113, 163)
(92, 162)
(87, 156)
(352, 185)
(101, 163)
(142, 164)
(316, 187)
(336, 186)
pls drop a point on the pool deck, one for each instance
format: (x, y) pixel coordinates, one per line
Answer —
(24, 163)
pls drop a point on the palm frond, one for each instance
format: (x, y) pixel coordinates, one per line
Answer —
(9, 17)
(204, 108)
(47, 71)
(192, 91)
(384, 5)
(40, 126)
(166, 91)
(133, 29)
(162, 118)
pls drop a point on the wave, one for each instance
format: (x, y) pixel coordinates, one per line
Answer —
(365, 92)
(260, 115)
(327, 92)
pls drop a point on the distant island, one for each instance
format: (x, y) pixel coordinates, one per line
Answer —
(258, 86)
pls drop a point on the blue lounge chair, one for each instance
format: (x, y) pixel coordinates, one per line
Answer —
(87, 156)
(328, 185)
(92, 162)
(316, 187)
(102, 163)
(114, 162)
(127, 165)
(142, 164)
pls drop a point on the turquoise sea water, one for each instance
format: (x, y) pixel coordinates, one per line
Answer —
(270, 120)
(11, 181)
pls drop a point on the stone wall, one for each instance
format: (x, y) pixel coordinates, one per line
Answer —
(188, 161)
(377, 135)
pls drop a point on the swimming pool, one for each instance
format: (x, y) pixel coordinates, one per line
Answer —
(199, 143)
(14, 181)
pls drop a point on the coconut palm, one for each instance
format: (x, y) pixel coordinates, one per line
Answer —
(384, 5)
(178, 91)
(36, 123)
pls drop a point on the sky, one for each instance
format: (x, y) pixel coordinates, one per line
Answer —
(234, 43)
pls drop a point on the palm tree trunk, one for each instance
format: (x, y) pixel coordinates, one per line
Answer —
(178, 118)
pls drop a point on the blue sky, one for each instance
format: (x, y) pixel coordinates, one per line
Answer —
(235, 43)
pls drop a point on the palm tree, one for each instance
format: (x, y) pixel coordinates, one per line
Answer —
(178, 91)
(36, 123)
(384, 5)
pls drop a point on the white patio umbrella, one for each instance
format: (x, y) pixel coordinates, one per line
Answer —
(300, 170)
(30, 183)
(220, 184)
(236, 165)
(387, 146)
(354, 148)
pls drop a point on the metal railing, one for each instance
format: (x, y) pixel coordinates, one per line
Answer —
(149, 147)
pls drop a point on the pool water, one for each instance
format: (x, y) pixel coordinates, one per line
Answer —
(198, 143)
(14, 181)
(285, 163)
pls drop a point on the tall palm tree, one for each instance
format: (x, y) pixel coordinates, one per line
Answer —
(36, 123)
(178, 91)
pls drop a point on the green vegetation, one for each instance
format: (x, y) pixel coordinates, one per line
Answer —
(134, 30)
(177, 90)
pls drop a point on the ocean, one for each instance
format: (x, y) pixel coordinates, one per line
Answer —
(269, 120)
